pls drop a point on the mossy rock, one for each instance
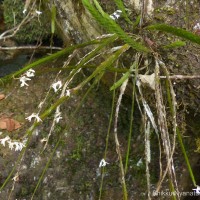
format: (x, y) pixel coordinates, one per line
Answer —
(37, 28)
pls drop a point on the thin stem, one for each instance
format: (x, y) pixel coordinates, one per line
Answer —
(108, 135)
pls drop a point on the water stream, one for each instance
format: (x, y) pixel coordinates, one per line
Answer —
(12, 65)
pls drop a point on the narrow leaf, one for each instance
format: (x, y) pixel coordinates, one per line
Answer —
(137, 21)
(176, 31)
(53, 18)
(110, 25)
(174, 45)
(120, 5)
(124, 77)
(120, 81)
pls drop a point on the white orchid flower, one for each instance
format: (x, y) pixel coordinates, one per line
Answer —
(10, 144)
(4, 140)
(33, 115)
(58, 116)
(23, 80)
(197, 190)
(18, 146)
(103, 163)
(38, 12)
(24, 11)
(67, 93)
(56, 86)
(30, 73)
(116, 14)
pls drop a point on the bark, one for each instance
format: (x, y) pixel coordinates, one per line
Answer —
(75, 23)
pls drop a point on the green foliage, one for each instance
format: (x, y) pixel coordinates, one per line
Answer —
(175, 45)
(53, 18)
(176, 31)
(106, 64)
(110, 25)
(121, 80)
(198, 145)
(47, 59)
(120, 5)
(37, 28)
(137, 21)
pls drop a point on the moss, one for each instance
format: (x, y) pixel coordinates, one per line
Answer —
(37, 28)
(24, 191)
(198, 145)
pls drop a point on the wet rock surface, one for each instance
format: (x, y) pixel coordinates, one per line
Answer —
(73, 172)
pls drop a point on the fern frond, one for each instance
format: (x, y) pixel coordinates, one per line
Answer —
(176, 31)
(110, 25)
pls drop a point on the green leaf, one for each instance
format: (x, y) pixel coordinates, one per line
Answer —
(175, 45)
(110, 25)
(51, 57)
(176, 31)
(53, 18)
(121, 80)
(137, 21)
(99, 8)
(120, 5)
(106, 64)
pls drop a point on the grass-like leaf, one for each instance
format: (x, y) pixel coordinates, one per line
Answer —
(106, 64)
(53, 18)
(110, 25)
(176, 31)
(120, 81)
(174, 45)
(120, 5)
(49, 58)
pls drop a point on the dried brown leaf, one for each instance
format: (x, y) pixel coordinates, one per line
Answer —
(148, 80)
(9, 124)
(2, 96)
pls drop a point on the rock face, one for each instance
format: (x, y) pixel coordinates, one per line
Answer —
(77, 26)
(74, 172)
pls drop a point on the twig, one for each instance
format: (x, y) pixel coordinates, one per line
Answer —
(61, 95)
(162, 122)
(15, 29)
(147, 155)
(122, 89)
(29, 47)
(181, 77)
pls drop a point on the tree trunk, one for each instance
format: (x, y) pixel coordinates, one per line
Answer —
(75, 23)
